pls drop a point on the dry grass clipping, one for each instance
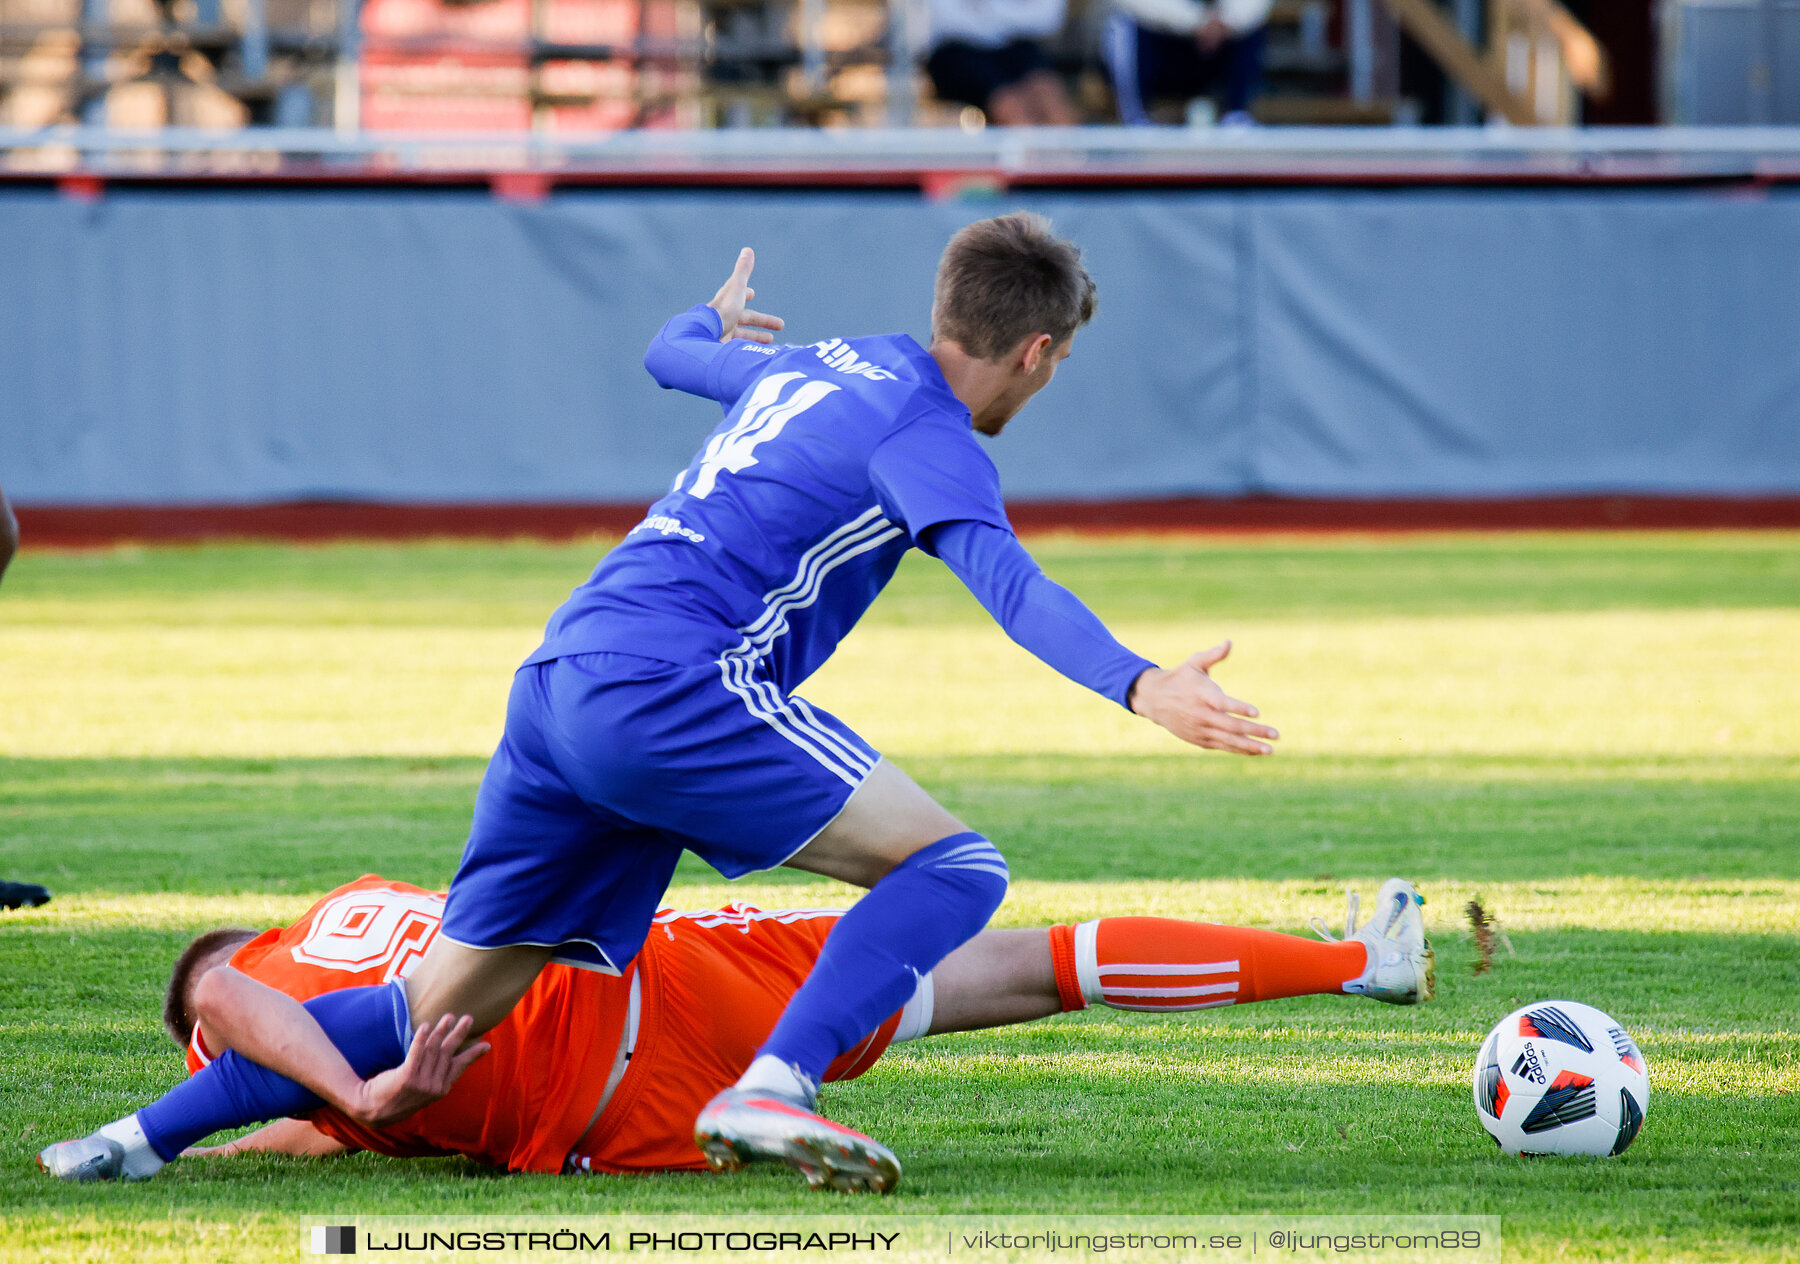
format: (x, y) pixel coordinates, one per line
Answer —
(1487, 935)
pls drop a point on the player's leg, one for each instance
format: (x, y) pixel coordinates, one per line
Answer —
(484, 983)
(1163, 964)
(713, 984)
(719, 760)
(998, 978)
(523, 875)
(1159, 964)
(888, 818)
(1011, 976)
(933, 884)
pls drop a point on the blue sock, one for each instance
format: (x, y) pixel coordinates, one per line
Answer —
(930, 903)
(370, 1026)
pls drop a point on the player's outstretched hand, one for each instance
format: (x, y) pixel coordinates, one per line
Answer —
(1186, 701)
(736, 320)
(432, 1067)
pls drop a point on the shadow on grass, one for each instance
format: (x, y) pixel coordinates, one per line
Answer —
(1319, 1103)
(212, 826)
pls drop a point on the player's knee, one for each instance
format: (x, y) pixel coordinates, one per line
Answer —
(970, 861)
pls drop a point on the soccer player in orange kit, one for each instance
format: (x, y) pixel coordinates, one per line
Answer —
(604, 1073)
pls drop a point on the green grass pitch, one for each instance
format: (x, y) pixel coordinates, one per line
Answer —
(1598, 735)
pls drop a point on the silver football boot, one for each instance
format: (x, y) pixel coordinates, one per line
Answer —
(1402, 969)
(94, 1158)
(742, 1126)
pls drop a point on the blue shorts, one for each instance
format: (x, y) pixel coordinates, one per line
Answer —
(610, 766)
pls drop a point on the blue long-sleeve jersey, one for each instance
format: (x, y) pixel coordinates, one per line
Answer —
(832, 460)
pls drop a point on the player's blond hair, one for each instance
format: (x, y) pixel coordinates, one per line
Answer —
(1002, 280)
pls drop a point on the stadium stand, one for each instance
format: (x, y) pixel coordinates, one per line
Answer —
(583, 66)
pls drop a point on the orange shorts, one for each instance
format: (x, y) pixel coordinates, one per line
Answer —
(713, 984)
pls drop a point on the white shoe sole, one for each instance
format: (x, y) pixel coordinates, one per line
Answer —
(83, 1159)
(734, 1134)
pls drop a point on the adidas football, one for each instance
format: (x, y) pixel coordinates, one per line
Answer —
(1560, 1077)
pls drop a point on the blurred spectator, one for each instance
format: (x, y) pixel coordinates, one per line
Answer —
(986, 53)
(27, 894)
(1162, 50)
(13, 894)
(9, 532)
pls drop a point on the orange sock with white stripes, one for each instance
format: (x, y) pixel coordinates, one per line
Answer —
(1157, 963)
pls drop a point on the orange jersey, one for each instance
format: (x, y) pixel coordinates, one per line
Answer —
(711, 984)
(522, 1106)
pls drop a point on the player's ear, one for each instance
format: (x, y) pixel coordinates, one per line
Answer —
(1032, 352)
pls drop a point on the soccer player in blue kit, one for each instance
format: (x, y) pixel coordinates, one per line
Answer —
(659, 715)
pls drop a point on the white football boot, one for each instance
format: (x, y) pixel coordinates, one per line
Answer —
(94, 1158)
(750, 1125)
(1402, 969)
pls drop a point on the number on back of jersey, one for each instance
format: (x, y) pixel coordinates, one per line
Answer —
(368, 930)
(764, 415)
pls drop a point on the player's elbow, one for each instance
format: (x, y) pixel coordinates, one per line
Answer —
(214, 997)
(660, 362)
(653, 365)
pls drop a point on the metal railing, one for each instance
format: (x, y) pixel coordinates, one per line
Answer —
(1010, 155)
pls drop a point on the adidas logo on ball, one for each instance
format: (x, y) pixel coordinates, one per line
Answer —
(1527, 1066)
(1560, 1077)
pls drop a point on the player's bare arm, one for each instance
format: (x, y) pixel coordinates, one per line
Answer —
(270, 1028)
(284, 1136)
